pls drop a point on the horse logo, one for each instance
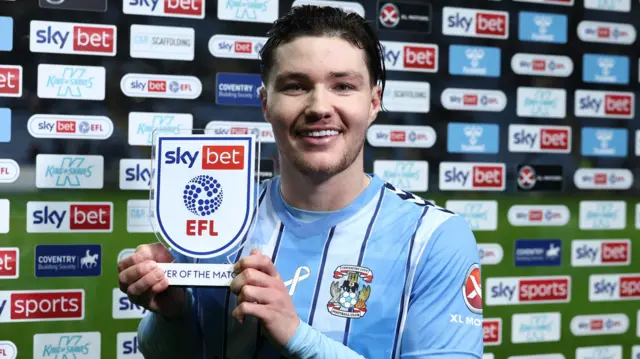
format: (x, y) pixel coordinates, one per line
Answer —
(89, 260)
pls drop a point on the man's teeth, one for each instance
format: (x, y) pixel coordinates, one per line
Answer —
(320, 133)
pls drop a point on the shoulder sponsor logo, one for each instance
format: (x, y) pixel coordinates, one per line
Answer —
(236, 47)
(74, 260)
(470, 176)
(608, 5)
(407, 96)
(604, 142)
(543, 27)
(41, 305)
(162, 42)
(603, 104)
(538, 253)
(603, 178)
(600, 252)
(606, 32)
(528, 290)
(404, 16)
(538, 138)
(474, 60)
(70, 127)
(9, 263)
(5, 125)
(5, 207)
(69, 171)
(10, 81)
(539, 178)
(605, 69)
(80, 345)
(71, 82)
(462, 99)
(410, 176)
(139, 217)
(457, 21)
(238, 89)
(194, 9)
(8, 349)
(542, 102)
(9, 170)
(73, 38)
(143, 124)
(248, 11)
(490, 253)
(550, 2)
(401, 136)
(492, 331)
(410, 56)
(161, 86)
(6, 28)
(122, 307)
(346, 6)
(604, 352)
(481, 215)
(69, 217)
(538, 215)
(262, 130)
(127, 346)
(535, 327)
(472, 138)
(77, 5)
(542, 65)
(135, 174)
(599, 324)
(600, 215)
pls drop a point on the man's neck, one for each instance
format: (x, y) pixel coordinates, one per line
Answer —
(330, 194)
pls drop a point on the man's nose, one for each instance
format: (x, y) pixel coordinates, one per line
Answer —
(319, 105)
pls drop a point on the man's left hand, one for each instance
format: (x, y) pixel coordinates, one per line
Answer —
(262, 294)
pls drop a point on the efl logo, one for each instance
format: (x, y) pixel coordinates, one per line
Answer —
(492, 331)
(193, 9)
(606, 32)
(605, 178)
(262, 130)
(9, 263)
(597, 253)
(122, 307)
(461, 99)
(470, 176)
(412, 176)
(467, 22)
(606, 215)
(41, 305)
(10, 81)
(538, 215)
(71, 82)
(550, 2)
(614, 287)
(162, 42)
(76, 217)
(9, 170)
(80, 345)
(608, 5)
(542, 102)
(542, 65)
(481, 215)
(490, 253)
(135, 174)
(144, 125)
(68, 171)
(73, 38)
(161, 86)
(138, 217)
(528, 290)
(538, 139)
(407, 96)
(5, 206)
(70, 127)
(8, 350)
(410, 56)
(599, 324)
(127, 346)
(535, 327)
(401, 136)
(604, 104)
(236, 47)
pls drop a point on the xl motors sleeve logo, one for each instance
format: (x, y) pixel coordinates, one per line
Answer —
(614, 287)
(73, 38)
(469, 176)
(161, 86)
(527, 290)
(41, 305)
(467, 22)
(191, 9)
(69, 217)
(537, 138)
(69, 171)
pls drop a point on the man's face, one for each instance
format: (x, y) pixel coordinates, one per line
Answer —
(320, 102)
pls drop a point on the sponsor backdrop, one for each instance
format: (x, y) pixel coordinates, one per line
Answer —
(519, 115)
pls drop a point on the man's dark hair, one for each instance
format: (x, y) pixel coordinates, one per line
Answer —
(310, 20)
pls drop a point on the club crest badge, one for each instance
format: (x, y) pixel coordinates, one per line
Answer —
(349, 294)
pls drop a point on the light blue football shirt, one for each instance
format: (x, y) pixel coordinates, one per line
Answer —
(385, 277)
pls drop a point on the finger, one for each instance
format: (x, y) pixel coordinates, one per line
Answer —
(253, 294)
(135, 273)
(146, 282)
(161, 286)
(250, 277)
(259, 262)
(259, 311)
(154, 251)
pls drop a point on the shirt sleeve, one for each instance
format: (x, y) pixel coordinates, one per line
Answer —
(444, 318)
(308, 343)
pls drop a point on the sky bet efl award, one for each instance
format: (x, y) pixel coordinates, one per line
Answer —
(202, 200)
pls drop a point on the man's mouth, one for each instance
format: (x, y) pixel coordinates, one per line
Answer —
(319, 134)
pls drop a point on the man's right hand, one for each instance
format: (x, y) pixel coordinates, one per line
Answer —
(145, 283)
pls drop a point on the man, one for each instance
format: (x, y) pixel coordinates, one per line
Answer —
(339, 264)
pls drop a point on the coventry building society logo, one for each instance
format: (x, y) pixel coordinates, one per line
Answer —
(69, 172)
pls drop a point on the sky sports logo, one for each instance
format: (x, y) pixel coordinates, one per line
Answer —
(192, 9)
(10, 81)
(541, 102)
(143, 124)
(614, 287)
(538, 215)
(600, 252)
(527, 290)
(541, 65)
(605, 69)
(401, 136)
(478, 23)
(606, 32)
(135, 174)
(538, 139)
(481, 61)
(472, 138)
(542, 27)
(410, 56)
(236, 46)
(462, 99)
(162, 42)
(603, 178)
(69, 171)
(469, 176)
(41, 305)
(70, 127)
(604, 142)
(161, 86)
(73, 38)
(69, 217)
(71, 82)
(604, 104)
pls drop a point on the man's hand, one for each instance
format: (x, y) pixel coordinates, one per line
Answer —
(262, 294)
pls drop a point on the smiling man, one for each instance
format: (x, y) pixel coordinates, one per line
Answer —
(339, 264)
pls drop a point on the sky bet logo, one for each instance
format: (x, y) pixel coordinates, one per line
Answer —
(536, 139)
(73, 38)
(214, 157)
(466, 22)
(193, 9)
(161, 86)
(135, 174)
(468, 176)
(596, 253)
(614, 287)
(80, 217)
(604, 104)
(410, 56)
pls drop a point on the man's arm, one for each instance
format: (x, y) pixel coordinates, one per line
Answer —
(444, 319)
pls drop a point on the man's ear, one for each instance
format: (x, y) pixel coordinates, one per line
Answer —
(376, 98)
(263, 102)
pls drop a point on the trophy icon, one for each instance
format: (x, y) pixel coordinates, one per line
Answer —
(475, 55)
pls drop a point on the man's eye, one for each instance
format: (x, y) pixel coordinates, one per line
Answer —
(344, 87)
(292, 87)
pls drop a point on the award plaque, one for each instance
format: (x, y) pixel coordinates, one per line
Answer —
(203, 201)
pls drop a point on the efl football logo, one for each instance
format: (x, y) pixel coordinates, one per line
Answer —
(9, 170)
(10, 81)
(41, 305)
(605, 178)
(80, 217)
(541, 65)
(528, 290)
(193, 9)
(73, 38)
(604, 104)
(469, 176)
(161, 86)
(538, 215)
(462, 99)
(410, 56)
(537, 138)
(8, 350)
(467, 22)
(606, 32)
(236, 47)
(472, 290)
(401, 136)
(599, 324)
(70, 127)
